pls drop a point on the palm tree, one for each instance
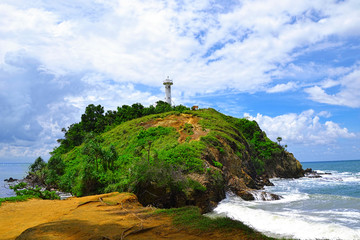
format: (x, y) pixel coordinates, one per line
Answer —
(279, 139)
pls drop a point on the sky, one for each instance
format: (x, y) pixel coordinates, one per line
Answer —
(293, 66)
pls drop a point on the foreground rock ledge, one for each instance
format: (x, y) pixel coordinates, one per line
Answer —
(107, 216)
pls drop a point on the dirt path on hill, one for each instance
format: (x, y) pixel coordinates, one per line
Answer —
(101, 217)
(185, 124)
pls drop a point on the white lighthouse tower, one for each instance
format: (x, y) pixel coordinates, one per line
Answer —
(167, 82)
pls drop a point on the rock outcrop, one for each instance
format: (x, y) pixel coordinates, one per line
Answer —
(177, 159)
(236, 170)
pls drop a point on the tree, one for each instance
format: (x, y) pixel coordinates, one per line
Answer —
(96, 122)
(162, 107)
(279, 139)
(110, 117)
(137, 110)
(38, 165)
(147, 137)
(180, 108)
(38, 171)
(109, 157)
(57, 165)
(93, 119)
(74, 136)
(56, 168)
(94, 151)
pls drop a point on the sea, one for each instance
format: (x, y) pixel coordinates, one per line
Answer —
(14, 170)
(310, 208)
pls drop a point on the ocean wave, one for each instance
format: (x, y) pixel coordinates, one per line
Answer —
(334, 183)
(335, 174)
(294, 197)
(344, 213)
(289, 224)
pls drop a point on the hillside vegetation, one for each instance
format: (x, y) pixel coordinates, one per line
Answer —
(170, 159)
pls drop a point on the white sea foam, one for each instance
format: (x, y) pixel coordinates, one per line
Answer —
(310, 208)
(350, 216)
(340, 176)
(354, 179)
(261, 195)
(292, 198)
(291, 224)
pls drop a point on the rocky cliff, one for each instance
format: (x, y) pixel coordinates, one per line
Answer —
(175, 159)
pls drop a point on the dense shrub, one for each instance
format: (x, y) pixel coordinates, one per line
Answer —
(22, 189)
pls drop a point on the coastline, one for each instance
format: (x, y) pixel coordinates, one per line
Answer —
(326, 204)
(106, 216)
(11, 170)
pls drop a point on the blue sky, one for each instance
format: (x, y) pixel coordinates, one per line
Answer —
(293, 66)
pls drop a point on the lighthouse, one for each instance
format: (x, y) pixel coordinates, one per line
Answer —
(167, 82)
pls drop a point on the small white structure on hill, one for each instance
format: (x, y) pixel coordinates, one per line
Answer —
(167, 82)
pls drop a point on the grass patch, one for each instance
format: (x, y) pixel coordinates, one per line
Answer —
(190, 217)
(16, 199)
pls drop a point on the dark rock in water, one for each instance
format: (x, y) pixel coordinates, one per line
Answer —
(11, 180)
(313, 176)
(264, 181)
(251, 195)
(311, 173)
(275, 196)
(246, 195)
(264, 196)
(34, 180)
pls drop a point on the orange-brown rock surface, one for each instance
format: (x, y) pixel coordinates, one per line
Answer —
(107, 216)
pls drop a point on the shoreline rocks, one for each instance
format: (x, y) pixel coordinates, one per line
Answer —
(32, 182)
(10, 180)
(314, 174)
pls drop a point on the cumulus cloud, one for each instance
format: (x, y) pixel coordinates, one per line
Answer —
(304, 128)
(282, 87)
(36, 104)
(137, 41)
(56, 57)
(348, 94)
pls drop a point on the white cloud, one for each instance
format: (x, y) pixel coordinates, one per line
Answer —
(325, 114)
(304, 128)
(282, 87)
(115, 93)
(141, 42)
(328, 83)
(348, 95)
(58, 56)
(23, 153)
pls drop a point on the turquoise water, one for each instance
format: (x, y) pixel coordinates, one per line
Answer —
(343, 181)
(310, 208)
(352, 166)
(14, 170)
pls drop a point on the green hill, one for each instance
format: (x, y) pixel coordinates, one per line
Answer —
(173, 159)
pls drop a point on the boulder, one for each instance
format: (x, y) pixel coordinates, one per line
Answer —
(11, 180)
